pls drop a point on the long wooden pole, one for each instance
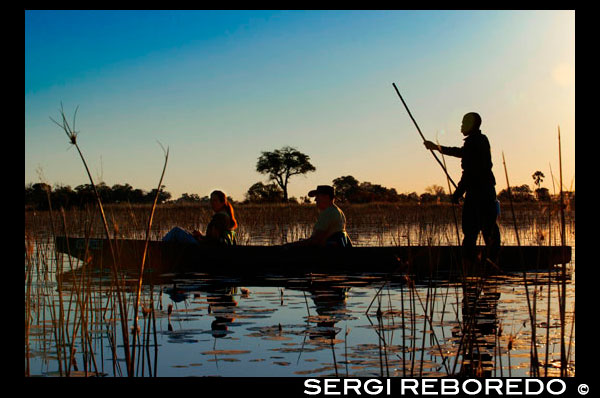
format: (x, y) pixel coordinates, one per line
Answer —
(421, 134)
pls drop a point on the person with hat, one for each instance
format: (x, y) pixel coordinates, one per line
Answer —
(480, 208)
(330, 228)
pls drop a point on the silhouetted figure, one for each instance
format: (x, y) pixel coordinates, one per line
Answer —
(477, 183)
(220, 230)
(330, 228)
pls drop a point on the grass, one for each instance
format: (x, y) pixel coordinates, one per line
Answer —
(378, 223)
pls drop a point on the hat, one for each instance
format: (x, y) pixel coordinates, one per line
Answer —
(323, 189)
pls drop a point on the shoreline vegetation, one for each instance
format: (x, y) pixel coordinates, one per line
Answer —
(277, 223)
(36, 195)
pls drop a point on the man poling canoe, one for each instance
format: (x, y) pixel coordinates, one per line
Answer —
(477, 183)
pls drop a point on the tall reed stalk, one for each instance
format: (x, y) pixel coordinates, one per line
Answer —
(534, 355)
(72, 135)
(141, 274)
(563, 299)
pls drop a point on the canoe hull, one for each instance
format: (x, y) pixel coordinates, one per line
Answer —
(170, 257)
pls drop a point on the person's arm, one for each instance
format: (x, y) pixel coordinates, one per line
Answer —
(316, 239)
(446, 150)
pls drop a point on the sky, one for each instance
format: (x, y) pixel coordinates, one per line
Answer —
(217, 88)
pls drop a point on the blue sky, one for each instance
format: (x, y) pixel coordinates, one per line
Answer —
(219, 87)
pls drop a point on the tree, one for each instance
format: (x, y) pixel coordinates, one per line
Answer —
(345, 188)
(163, 196)
(409, 197)
(543, 194)
(281, 164)
(187, 198)
(122, 193)
(85, 194)
(519, 194)
(348, 189)
(538, 177)
(37, 195)
(427, 197)
(377, 193)
(261, 193)
(63, 196)
(437, 192)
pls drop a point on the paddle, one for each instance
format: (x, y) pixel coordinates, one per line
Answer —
(421, 134)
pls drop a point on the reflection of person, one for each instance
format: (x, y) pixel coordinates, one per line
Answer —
(480, 323)
(329, 301)
(330, 229)
(221, 303)
(478, 184)
(220, 229)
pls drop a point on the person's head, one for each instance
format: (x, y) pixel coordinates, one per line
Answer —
(324, 195)
(218, 202)
(470, 123)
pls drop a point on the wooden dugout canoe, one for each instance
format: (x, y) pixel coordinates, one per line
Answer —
(171, 257)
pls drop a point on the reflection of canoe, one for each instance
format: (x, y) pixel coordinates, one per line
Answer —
(251, 260)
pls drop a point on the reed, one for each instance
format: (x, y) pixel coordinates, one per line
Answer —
(563, 356)
(72, 135)
(141, 273)
(531, 308)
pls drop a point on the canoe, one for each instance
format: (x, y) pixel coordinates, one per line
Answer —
(172, 257)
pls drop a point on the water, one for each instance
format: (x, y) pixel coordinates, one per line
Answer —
(305, 327)
(320, 327)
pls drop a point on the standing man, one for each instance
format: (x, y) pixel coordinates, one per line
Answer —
(480, 210)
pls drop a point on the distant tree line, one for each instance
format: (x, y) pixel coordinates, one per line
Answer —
(37, 195)
(349, 190)
(279, 165)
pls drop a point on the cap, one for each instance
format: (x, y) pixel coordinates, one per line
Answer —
(323, 189)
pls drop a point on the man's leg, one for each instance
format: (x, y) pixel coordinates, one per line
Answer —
(491, 232)
(470, 228)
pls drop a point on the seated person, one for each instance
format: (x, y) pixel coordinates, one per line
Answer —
(330, 229)
(220, 229)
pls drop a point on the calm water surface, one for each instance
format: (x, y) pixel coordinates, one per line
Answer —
(323, 326)
(317, 326)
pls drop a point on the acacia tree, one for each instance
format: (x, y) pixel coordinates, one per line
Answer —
(283, 163)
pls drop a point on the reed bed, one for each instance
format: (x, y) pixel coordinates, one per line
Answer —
(382, 224)
(69, 323)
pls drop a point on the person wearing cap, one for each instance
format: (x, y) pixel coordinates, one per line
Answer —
(477, 183)
(330, 228)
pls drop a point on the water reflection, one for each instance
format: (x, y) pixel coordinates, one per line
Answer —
(325, 325)
(478, 329)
